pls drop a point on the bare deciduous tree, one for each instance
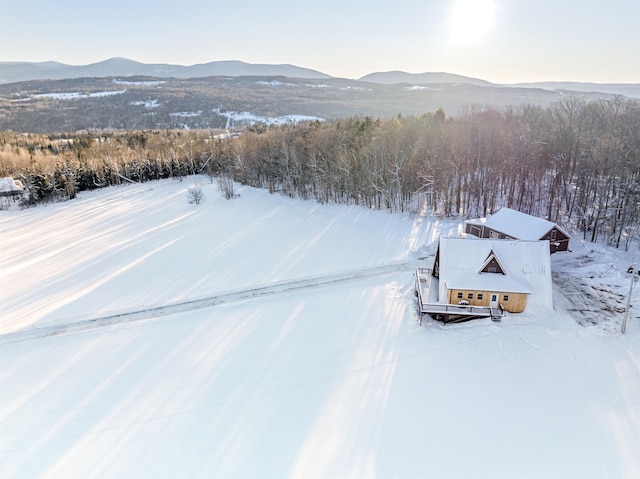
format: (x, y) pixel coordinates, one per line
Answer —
(195, 195)
(225, 186)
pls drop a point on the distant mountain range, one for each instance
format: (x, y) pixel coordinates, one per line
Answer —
(123, 94)
(396, 77)
(11, 72)
(626, 89)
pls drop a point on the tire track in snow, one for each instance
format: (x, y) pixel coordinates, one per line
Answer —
(229, 297)
(588, 304)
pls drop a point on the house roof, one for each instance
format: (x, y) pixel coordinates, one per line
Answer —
(517, 224)
(526, 263)
(8, 185)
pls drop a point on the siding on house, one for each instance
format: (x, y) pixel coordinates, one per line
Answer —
(558, 240)
(511, 302)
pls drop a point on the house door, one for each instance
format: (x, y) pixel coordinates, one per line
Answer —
(494, 301)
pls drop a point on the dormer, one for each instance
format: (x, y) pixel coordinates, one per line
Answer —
(492, 265)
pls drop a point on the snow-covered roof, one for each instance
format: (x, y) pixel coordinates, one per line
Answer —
(527, 266)
(517, 224)
(8, 185)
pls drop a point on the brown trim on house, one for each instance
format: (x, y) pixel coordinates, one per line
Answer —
(492, 265)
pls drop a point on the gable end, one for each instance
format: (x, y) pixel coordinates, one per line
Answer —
(492, 265)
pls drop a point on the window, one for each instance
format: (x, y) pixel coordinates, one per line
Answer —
(459, 295)
(505, 297)
(480, 296)
(470, 296)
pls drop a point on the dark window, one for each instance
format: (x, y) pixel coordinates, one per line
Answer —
(505, 297)
(470, 296)
(459, 295)
(494, 297)
(480, 296)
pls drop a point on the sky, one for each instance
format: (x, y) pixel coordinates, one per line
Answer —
(503, 41)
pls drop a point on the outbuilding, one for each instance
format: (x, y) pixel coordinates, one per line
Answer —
(512, 224)
(10, 189)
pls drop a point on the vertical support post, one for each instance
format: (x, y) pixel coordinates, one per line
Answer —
(626, 310)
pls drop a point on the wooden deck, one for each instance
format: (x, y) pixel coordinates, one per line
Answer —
(447, 313)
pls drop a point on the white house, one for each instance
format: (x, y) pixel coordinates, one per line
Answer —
(496, 273)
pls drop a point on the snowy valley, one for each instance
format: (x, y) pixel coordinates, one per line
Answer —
(259, 337)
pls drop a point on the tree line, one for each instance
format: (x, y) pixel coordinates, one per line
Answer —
(576, 162)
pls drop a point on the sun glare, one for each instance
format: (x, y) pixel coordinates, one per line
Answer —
(469, 22)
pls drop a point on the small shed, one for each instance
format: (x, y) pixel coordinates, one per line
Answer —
(11, 189)
(493, 273)
(511, 224)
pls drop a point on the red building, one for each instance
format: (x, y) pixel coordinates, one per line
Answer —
(512, 224)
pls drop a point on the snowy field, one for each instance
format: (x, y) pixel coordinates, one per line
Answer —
(265, 337)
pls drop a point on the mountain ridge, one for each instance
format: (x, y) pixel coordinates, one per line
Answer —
(120, 94)
(14, 72)
(397, 77)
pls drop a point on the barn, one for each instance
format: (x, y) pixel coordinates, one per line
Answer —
(493, 273)
(511, 224)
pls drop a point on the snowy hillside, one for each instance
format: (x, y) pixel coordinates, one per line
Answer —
(143, 336)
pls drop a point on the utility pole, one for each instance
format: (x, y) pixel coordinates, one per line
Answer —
(626, 311)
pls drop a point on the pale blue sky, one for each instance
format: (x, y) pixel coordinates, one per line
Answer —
(503, 41)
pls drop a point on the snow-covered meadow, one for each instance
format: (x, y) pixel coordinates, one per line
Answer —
(143, 336)
(236, 118)
(78, 95)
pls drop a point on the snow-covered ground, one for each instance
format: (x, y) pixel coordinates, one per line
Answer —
(236, 118)
(186, 114)
(146, 103)
(139, 83)
(270, 337)
(77, 95)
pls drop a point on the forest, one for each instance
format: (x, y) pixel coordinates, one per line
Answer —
(575, 162)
